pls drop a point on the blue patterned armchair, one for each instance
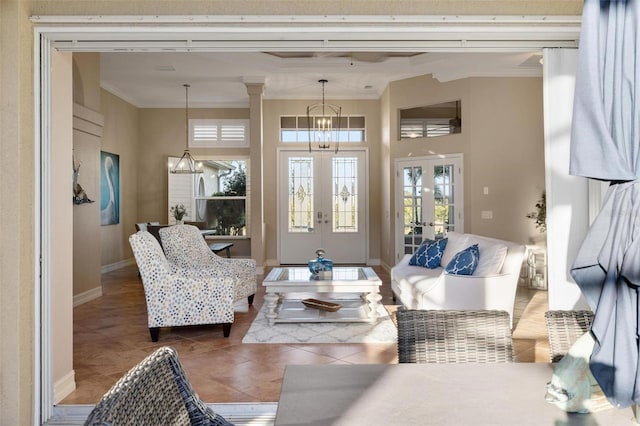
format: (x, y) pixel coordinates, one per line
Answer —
(180, 296)
(186, 248)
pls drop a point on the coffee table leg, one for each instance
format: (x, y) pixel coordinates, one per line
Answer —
(272, 302)
(373, 300)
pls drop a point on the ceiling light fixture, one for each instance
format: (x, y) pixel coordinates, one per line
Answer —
(186, 164)
(323, 121)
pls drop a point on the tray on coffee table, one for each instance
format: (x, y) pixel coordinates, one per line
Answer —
(322, 305)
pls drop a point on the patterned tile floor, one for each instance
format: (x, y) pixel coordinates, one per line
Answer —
(111, 336)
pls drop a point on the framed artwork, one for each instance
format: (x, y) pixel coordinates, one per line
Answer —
(109, 188)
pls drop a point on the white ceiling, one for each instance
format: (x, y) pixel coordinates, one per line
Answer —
(217, 79)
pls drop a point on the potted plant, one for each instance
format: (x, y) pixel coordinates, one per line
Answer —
(540, 215)
(179, 211)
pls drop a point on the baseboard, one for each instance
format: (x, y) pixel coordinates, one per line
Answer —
(386, 267)
(87, 296)
(118, 265)
(63, 387)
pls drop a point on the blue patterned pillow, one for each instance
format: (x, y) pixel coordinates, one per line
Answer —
(429, 254)
(464, 262)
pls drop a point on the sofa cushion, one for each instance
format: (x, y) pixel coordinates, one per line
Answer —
(492, 257)
(429, 254)
(464, 262)
(455, 243)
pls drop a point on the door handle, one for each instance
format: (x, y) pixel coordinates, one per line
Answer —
(431, 224)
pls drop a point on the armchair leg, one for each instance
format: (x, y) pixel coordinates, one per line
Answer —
(226, 329)
(155, 332)
(250, 298)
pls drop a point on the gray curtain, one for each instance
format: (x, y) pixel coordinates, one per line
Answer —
(605, 145)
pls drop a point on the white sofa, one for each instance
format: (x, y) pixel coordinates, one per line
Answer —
(492, 286)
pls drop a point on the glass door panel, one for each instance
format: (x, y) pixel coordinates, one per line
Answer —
(429, 205)
(300, 194)
(412, 207)
(345, 194)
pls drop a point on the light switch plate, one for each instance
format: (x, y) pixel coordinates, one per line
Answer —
(487, 214)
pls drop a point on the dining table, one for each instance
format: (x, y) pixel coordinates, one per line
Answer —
(509, 394)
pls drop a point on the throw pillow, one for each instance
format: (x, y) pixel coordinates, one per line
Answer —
(456, 243)
(464, 262)
(429, 254)
(491, 258)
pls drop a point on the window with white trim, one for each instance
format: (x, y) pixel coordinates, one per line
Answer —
(216, 199)
(411, 128)
(428, 121)
(218, 133)
(294, 129)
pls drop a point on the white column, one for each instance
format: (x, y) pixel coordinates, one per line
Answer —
(256, 151)
(567, 196)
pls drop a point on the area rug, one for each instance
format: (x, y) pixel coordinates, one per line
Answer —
(383, 331)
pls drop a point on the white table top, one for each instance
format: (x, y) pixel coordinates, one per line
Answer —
(428, 394)
(339, 274)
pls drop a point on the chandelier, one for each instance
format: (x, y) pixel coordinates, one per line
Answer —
(186, 164)
(323, 121)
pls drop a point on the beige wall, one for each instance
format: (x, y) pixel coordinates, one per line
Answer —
(17, 231)
(17, 187)
(329, 7)
(506, 155)
(86, 80)
(118, 134)
(162, 135)
(387, 239)
(87, 134)
(87, 138)
(502, 143)
(121, 135)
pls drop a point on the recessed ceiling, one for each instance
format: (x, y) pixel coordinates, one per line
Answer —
(217, 79)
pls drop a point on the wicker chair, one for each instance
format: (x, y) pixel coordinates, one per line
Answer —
(154, 392)
(564, 328)
(454, 336)
(185, 248)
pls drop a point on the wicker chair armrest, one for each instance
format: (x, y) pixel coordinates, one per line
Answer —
(154, 392)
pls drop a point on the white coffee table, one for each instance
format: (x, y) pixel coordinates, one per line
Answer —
(357, 289)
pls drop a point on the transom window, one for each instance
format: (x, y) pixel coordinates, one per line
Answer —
(294, 129)
(212, 133)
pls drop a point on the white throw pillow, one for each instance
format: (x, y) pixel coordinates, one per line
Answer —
(456, 243)
(492, 257)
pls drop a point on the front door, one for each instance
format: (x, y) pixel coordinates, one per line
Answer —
(429, 200)
(323, 204)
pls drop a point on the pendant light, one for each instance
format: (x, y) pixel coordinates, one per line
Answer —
(323, 121)
(186, 164)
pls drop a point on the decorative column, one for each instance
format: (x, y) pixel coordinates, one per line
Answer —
(256, 150)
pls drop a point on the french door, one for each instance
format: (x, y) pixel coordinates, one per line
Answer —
(429, 200)
(322, 204)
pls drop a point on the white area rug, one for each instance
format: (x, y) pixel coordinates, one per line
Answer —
(382, 331)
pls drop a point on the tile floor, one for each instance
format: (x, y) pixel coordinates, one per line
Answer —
(111, 336)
